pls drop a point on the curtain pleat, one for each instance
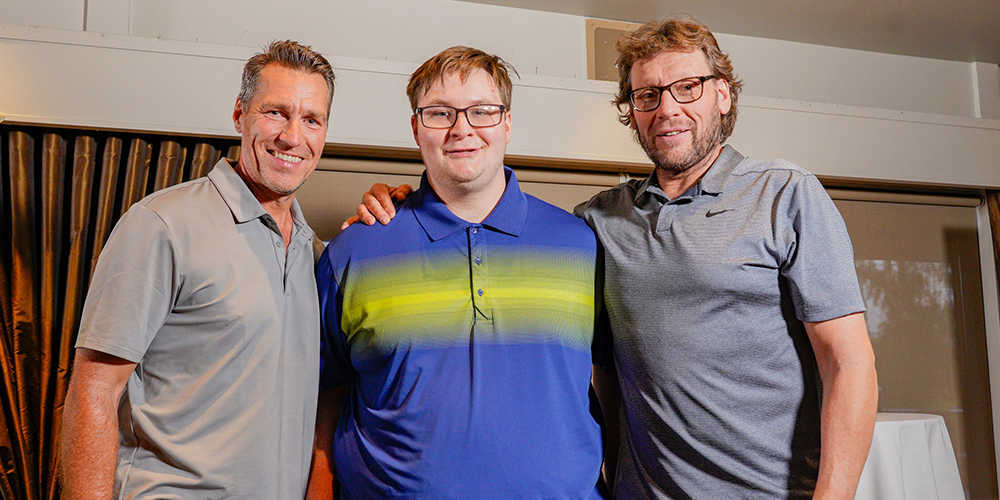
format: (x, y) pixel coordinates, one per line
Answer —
(106, 197)
(10, 480)
(58, 211)
(203, 158)
(23, 388)
(135, 174)
(53, 176)
(170, 165)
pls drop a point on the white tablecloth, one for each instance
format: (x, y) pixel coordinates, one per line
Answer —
(911, 458)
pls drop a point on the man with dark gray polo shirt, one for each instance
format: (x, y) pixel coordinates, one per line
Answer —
(197, 362)
(730, 285)
(730, 288)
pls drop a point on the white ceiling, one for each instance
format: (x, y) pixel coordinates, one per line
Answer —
(957, 30)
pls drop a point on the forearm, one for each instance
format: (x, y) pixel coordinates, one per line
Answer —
(323, 473)
(608, 395)
(322, 476)
(89, 445)
(846, 425)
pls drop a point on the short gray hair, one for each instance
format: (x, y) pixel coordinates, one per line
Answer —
(287, 53)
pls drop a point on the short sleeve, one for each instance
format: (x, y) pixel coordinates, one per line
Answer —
(819, 259)
(133, 287)
(335, 360)
(602, 348)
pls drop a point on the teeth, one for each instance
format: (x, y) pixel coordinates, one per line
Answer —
(668, 134)
(288, 158)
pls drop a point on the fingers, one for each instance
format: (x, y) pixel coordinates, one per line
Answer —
(376, 206)
(402, 192)
(349, 221)
(379, 204)
(365, 210)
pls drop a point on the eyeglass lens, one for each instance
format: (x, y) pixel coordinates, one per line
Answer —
(683, 91)
(483, 115)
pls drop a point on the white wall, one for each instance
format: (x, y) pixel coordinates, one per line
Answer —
(174, 66)
(63, 14)
(535, 42)
(394, 30)
(814, 73)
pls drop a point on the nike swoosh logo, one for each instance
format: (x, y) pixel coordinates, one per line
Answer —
(713, 214)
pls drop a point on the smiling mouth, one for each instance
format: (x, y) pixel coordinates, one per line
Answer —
(671, 133)
(461, 152)
(285, 157)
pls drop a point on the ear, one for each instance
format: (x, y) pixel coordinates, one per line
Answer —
(725, 96)
(413, 125)
(238, 116)
(506, 123)
(631, 119)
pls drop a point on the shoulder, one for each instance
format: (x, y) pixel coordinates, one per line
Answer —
(778, 170)
(796, 192)
(360, 242)
(547, 211)
(555, 224)
(184, 200)
(611, 200)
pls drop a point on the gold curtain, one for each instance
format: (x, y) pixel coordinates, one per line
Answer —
(57, 224)
(993, 206)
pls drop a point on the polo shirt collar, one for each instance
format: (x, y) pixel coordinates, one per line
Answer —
(241, 201)
(508, 216)
(713, 182)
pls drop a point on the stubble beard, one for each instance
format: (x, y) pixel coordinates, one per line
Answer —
(268, 183)
(702, 145)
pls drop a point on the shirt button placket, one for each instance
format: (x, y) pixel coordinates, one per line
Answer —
(666, 219)
(479, 281)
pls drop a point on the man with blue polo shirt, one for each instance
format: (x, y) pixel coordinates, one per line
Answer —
(457, 341)
(740, 345)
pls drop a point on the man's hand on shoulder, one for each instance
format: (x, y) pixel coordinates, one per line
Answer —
(379, 204)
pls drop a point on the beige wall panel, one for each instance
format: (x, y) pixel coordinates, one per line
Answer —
(61, 14)
(860, 143)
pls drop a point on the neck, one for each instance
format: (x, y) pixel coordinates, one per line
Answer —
(674, 184)
(471, 205)
(278, 207)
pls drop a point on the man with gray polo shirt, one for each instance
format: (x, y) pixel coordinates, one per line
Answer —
(730, 287)
(197, 361)
(731, 291)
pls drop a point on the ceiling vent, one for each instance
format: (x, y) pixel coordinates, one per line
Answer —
(601, 54)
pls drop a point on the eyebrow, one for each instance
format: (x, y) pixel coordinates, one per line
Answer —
(439, 102)
(284, 107)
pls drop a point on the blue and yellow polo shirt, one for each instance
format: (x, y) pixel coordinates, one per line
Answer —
(468, 347)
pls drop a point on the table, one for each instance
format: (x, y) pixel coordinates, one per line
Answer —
(911, 458)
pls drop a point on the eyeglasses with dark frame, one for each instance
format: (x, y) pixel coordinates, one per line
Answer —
(479, 116)
(684, 91)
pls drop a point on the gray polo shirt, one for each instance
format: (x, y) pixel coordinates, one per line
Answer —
(195, 286)
(706, 295)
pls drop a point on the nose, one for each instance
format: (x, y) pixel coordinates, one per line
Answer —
(668, 105)
(292, 133)
(462, 126)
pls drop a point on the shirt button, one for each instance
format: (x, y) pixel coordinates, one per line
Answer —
(475, 230)
(277, 243)
(480, 292)
(478, 261)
